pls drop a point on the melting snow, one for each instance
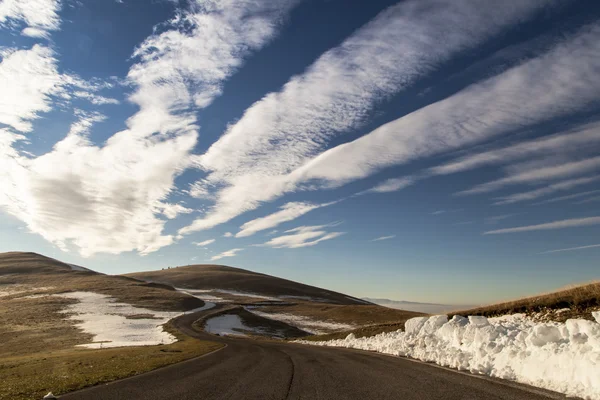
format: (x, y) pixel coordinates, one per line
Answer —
(305, 323)
(564, 357)
(101, 316)
(228, 324)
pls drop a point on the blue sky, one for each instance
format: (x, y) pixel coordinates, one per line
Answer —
(435, 151)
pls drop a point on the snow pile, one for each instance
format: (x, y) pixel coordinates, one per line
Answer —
(229, 324)
(118, 324)
(564, 357)
(305, 323)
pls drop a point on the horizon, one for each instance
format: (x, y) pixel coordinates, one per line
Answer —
(396, 150)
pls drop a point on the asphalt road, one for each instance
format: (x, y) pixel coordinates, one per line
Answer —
(262, 370)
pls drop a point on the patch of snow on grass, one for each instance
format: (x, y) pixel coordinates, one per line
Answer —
(563, 357)
(117, 324)
(228, 324)
(14, 289)
(305, 323)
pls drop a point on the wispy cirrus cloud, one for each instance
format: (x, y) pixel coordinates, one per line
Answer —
(111, 198)
(336, 93)
(205, 243)
(571, 141)
(568, 197)
(497, 218)
(592, 246)
(537, 90)
(392, 185)
(562, 224)
(538, 175)
(303, 236)
(228, 253)
(288, 212)
(545, 191)
(590, 200)
(382, 238)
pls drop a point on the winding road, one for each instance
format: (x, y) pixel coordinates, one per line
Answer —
(262, 370)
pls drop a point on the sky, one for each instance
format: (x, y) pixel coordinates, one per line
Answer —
(424, 150)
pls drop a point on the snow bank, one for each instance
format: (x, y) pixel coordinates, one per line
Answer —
(118, 324)
(305, 323)
(564, 357)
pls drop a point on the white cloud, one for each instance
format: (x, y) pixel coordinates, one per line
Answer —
(497, 218)
(28, 79)
(39, 15)
(35, 33)
(438, 212)
(392, 185)
(558, 83)
(228, 253)
(110, 198)
(288, 212)
(572, 249)
(303, 236)
(568, 197)
(590, 200)
(171, 211)
(538, 175)
(567, 223)
(95, 98)
(382, 238)
(571, 141)
(537, 193)
(205, 243)
(335, 94)
(228, 234)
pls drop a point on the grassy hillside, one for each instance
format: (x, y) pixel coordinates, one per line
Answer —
(222, 277)
(574, 302)
(38, 352)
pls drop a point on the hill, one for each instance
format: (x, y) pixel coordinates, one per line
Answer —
(51, 313)
(208, 277)
(572, 302)
(428, 308)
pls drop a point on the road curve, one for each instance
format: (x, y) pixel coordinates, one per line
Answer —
(263, 370)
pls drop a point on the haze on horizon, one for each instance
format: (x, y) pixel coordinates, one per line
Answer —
(403, 150)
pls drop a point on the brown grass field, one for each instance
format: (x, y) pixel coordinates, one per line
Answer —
(581, 300)
(37, 351)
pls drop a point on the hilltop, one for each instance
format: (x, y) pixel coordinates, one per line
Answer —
(207, 277)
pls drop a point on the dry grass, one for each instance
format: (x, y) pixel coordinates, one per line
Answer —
(222, 277)
(365, 331)
(581, 300)
(359, 315)
(37, 351)
(31, 376)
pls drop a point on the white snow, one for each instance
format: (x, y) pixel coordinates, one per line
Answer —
(563, 357)
(104, 318)
(305, 323)
(228, 324)
(79, 268)
(16, 288)
(204, 297)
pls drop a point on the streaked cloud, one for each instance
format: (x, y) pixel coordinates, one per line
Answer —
(303, 236)
(288, 212)
(228, 253)
(538, 175)
(111, 198)
(205, 243)
(497, 218)
(572, 141)
(286, 129)
(590, 200)
(567, 223)
(382, 238)
(572, 249)
(537, 193)
(568, 197)
(392, 185)
(532, 92)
